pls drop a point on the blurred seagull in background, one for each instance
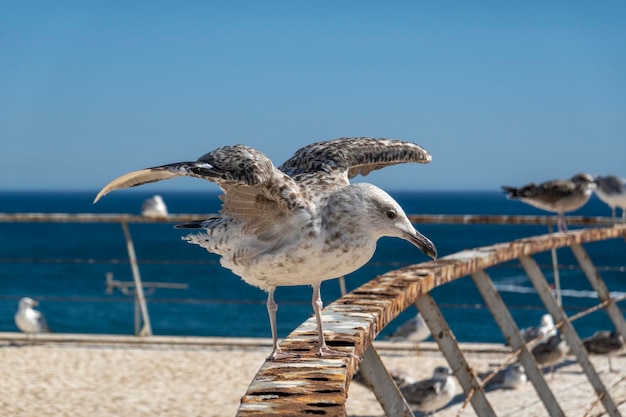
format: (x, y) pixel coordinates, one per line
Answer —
(550, 352)
(298, 224)
(511, 377)
(605, 342)
(414, 330)
(154, 207)
(29, 320)
(429, 395)
(557, 196)
(540, 333)
(612, 190)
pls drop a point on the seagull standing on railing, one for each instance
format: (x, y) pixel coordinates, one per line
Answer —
(557, 196)
(29, 320)
(612, 190)
(300, 224)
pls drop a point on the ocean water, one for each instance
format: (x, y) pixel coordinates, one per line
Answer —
(64, 265)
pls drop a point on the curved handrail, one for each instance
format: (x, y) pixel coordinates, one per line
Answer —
(185, 217)
(312, 385)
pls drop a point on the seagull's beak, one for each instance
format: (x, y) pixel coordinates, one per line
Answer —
(35, 303)
(422, 242)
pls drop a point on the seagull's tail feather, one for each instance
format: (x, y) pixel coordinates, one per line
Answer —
(206, 241)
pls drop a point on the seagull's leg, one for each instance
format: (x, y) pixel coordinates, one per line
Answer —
(322, 348)
(611, 365)
(317, 308)
(272, 308)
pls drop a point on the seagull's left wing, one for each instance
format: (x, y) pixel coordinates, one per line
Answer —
(352, 156)
(41, 321)
(232, 167)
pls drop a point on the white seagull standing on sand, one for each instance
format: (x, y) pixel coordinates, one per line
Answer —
(612, 190)
(298, 224)
(29, 320)
(539, 333)
(557, 196)
(414, 330)
(511, 377)
(550, 352)
(431, 394)
(605, 342)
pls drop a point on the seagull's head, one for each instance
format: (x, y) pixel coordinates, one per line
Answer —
(585, 180)
(517, 369)
(546, 320)
(441, 372)
(385, 217)
(27, 302)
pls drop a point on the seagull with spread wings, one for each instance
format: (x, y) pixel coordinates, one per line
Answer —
(298, 224)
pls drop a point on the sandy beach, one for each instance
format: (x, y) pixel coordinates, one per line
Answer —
(208, 379)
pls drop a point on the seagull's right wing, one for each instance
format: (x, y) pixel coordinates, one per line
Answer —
(353, 156)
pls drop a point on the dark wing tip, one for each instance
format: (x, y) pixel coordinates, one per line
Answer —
(194, 224)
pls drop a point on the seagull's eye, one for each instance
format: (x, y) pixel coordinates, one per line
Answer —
(391, 214)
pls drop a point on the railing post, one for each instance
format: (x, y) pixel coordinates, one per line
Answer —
(541, 286)
(378, 378)
(147, 327)
(453, 354)
(385, 389)
(511, 332)
(598, 285)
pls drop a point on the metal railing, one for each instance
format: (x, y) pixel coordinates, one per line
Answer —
(314, 385)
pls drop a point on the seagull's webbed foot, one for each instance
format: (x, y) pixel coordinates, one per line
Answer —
(325, 351)
(322, 348)
(279, 354)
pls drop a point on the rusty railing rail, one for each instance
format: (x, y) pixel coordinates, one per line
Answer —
(319, 386)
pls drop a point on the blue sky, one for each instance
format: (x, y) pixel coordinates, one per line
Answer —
(499, 93)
